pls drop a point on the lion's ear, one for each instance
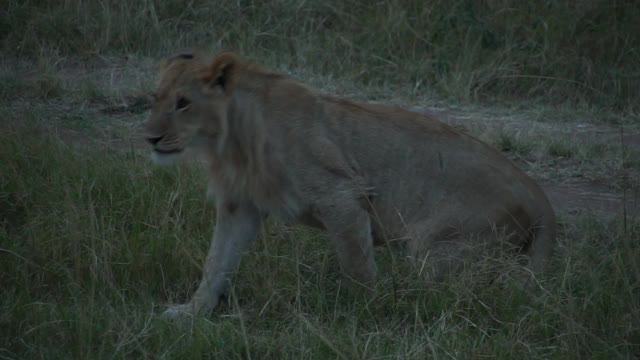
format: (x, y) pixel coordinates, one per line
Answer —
(185, 54)
(222, 71)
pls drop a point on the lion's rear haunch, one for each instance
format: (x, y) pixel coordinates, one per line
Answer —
(364, 173)
(542, 243)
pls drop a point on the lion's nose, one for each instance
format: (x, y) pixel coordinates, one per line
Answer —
(154, 139)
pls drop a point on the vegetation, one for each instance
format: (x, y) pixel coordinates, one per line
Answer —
(95, 240)
(582, 52)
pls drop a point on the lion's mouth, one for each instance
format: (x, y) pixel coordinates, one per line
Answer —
(167, 152)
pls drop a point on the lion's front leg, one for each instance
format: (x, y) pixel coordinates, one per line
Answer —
(237, 226)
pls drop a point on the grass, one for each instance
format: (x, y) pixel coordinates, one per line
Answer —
(555, 51)
(561, 149)
(513, 144)
(93, 242)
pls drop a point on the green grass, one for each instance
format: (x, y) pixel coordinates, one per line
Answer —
(94, 241)
(551, 51)
(513, 144)
(561, 149)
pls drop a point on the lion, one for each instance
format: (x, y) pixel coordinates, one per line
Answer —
(367, 174)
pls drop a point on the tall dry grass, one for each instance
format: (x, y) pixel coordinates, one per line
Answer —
(580, 52)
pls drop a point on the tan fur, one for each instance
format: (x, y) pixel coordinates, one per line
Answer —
(365, 173)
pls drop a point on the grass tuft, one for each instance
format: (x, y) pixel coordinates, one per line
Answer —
(513, 144)
(561, 149)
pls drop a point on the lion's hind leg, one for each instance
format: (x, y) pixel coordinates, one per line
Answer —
(437, 251)
(349, 227)
(441, 249)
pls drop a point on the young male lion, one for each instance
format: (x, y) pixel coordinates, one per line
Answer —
(364, 173)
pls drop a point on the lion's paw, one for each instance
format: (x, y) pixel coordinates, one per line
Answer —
(179, 312)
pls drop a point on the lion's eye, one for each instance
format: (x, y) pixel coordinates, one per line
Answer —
(182, 103)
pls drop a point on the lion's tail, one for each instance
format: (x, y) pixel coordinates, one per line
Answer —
(543, 241)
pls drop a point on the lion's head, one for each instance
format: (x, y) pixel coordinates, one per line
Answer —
(190, 104)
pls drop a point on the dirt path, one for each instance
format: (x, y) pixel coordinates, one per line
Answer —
(576, 198)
